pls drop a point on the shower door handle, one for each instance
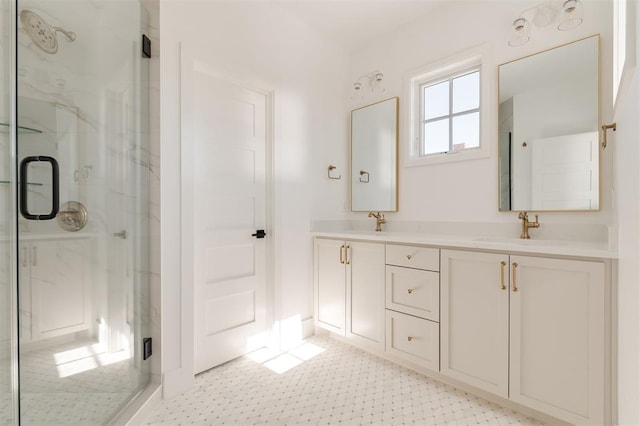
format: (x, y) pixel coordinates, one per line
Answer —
(55, 190)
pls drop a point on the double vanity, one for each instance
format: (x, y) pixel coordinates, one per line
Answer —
(524, 322)
(517, 321)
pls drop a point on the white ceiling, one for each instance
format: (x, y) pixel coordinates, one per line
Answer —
(352, 23)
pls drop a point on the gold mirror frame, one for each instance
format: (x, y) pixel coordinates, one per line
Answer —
(363, 170)
(596, 137)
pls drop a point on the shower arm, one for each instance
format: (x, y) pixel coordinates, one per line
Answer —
(70, 34)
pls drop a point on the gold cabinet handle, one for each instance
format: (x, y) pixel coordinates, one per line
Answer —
(502, 265)
(342, 254)
(409, 257)
(409, 338)
(24, 256)
(514, 265)
(409, 290)
(346, 255)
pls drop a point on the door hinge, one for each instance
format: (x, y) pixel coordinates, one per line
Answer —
(146, 46)
(146, 348)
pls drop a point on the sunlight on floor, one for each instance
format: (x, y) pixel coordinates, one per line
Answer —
(85, 358)
(281, 362)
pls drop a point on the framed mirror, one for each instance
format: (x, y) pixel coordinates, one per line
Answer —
(374, 157)
(548, 150)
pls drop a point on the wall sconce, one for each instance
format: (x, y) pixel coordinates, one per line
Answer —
(368, 83)
(544, 14)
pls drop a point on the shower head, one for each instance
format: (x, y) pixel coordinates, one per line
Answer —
(43, 34)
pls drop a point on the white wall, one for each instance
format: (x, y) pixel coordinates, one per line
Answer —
(269, 49)
(467, 190)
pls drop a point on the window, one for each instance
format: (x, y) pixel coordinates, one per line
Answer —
(448, 110)
(450, 119)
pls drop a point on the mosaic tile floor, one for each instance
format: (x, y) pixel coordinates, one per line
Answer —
(74, 383)
(325, 382)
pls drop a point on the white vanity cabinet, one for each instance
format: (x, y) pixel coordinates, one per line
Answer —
(413, 304)
(349, 290)
(530, 329)
(475, 319)
(55, 287)
(330, 276)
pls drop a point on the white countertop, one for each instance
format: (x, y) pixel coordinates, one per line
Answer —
(588, 249)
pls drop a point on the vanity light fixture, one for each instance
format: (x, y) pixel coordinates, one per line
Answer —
(368, 83)
(545, 14)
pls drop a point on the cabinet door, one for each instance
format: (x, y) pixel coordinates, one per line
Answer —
(330, 285)
(59, 288)
(474, 319)
(557, 337)
(366, 293)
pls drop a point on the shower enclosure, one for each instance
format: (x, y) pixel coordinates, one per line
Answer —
(74, 220)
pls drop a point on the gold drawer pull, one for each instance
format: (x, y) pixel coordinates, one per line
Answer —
(514, 265)
(409, 338)
(502, 265)
(409, 290)
(409, 257)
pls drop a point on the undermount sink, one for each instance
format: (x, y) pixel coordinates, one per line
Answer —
(521, 241)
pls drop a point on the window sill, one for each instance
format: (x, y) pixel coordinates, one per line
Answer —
(455, 156)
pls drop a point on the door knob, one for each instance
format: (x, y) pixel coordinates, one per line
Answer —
(259, 233)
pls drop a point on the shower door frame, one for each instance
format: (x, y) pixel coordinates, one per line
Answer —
(136, 402)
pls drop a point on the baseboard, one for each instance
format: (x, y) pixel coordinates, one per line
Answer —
(308, 329)
(176, 381)
(140, 408)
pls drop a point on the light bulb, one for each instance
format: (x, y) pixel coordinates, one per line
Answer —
(357, 90)
(521, 33)
(572, 15)
(377, 83)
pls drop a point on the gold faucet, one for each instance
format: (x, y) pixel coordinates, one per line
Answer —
(379, 220)
(526, 224)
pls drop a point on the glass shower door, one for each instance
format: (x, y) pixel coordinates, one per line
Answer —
(8, 359)
(82, 210)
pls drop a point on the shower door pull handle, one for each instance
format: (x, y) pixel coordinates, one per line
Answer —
(55, 183)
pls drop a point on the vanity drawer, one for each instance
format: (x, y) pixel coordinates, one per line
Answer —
(414, 257)
(413, 339)
(413, 291)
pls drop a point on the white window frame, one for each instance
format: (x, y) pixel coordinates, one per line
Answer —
(624, 47)
(450, 67)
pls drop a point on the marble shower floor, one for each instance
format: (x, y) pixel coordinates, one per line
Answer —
(74, 383)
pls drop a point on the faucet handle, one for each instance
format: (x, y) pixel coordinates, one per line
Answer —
(523, 215)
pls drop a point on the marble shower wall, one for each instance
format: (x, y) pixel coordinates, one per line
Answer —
(101, 77)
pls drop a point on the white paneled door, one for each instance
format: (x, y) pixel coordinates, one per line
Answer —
(224, 187)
